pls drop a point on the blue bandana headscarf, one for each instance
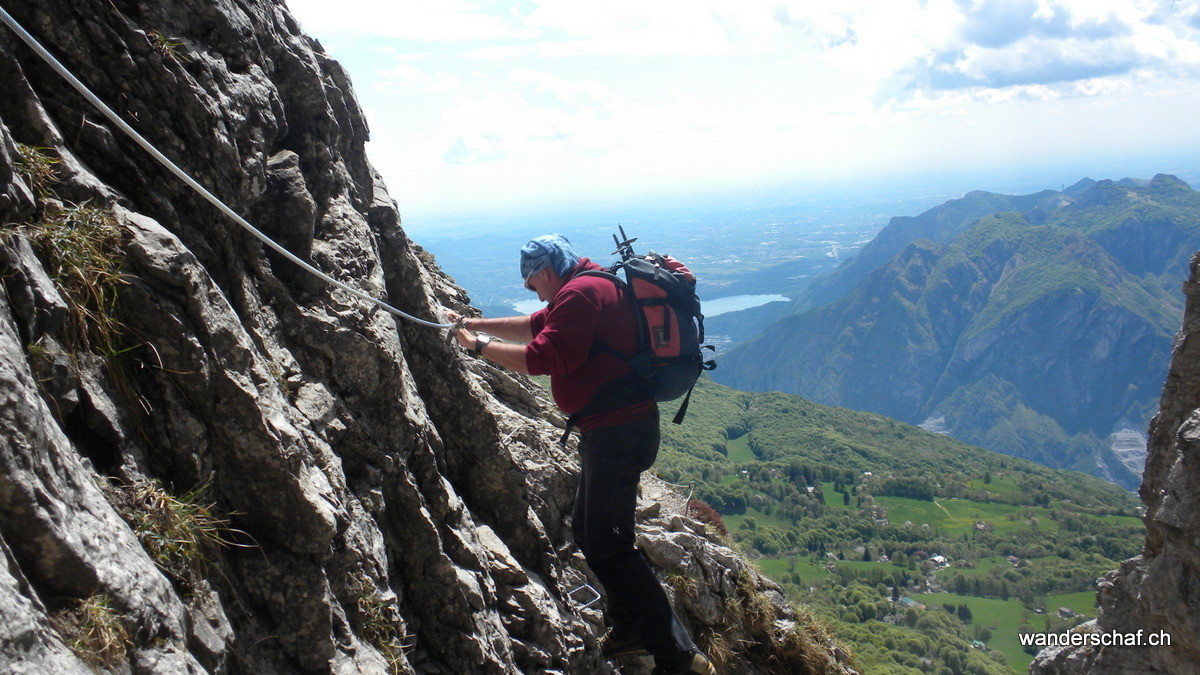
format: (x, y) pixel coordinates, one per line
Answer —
(548, 250)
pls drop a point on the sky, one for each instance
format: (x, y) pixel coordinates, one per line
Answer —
(477, 106)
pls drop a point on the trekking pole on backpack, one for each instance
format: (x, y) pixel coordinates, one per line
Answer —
(624, 248)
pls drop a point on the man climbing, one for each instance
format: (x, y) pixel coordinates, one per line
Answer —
(572, 340)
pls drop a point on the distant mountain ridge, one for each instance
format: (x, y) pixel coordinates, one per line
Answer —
(953, 327)
(939, 224)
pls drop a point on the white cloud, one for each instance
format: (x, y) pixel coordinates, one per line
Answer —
(562, 97)
(1013, 44)
(585, 96)
(443, 20)
(402, 74)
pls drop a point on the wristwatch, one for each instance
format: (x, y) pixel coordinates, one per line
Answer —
(481, 341)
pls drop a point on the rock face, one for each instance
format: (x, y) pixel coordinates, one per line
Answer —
(1157, 592)
(387, 503)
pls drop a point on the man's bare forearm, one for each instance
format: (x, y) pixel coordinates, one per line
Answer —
(517, 328)
(508, 355)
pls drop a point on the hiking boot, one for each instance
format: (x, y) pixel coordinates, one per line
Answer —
(699, 664)
(620, 643)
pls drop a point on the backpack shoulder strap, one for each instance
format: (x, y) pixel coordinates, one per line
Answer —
(609, 273)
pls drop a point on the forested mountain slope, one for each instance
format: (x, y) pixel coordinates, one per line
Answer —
(1034, 335)
(878, 526)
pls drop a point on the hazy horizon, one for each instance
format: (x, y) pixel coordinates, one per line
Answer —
(918, 193)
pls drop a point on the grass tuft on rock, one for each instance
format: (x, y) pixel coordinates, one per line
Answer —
(182, 535)
(94, 631)
(167, 47)
(381, 625)
(37, 167)
(81, 247)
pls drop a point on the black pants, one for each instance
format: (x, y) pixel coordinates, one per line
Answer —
(613, 459)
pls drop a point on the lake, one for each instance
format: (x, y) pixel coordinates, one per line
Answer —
(528, 306)
(736, 303)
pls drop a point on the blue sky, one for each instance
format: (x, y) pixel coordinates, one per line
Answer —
(476, 106)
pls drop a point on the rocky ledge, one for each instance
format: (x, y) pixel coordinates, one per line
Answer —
(213, 463)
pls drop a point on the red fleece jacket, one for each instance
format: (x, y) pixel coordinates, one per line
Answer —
(586, 311)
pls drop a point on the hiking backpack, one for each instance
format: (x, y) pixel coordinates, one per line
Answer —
(670, 324)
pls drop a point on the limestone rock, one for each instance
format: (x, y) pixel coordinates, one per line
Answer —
(386, 502)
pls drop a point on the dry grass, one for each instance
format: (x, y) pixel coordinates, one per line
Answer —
(94, 631)
(37, 166)
(684, 584)
(759, 614)
(775, 647)
(718, 650)
(381, 625)
(167, 47)
(812, 637)
(81, 248)
(182, 535)
(733, 611)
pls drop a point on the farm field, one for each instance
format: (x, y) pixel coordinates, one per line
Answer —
(1080, 603)
(1002, 618)
(738, 449)
(955, 517)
